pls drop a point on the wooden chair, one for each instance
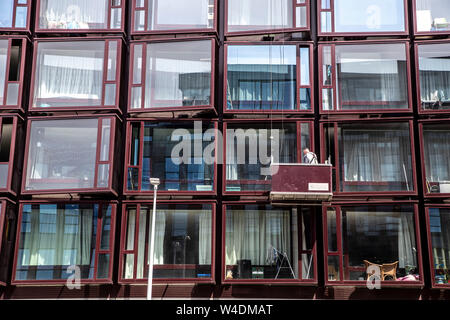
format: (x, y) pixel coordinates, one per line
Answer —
(367, 264)
(389, 270)
(332, 273)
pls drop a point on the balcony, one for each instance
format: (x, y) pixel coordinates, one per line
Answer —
(296, 181)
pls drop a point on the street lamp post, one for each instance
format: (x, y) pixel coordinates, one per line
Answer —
(155, 182)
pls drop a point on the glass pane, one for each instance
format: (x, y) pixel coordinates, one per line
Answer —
(326, 4)
(180, 14)
(116, 18)
(327, 66)
(12, 94)
(304, 67)
(133, 179)
(3, 65)
(325, 21)
(178, 74)
(332, 232)
(383, 237)
(137, 64)
(436, 142)
(110, 94)
(434, 76)
(258, 243)
(55, 237)
(4, 169)
(21, 17)
(433, 15)
(62, 154)
(136, 98)
(372, 77)
(333, 268)
(106, 139)
(369, 16)
(300, 17)
(103, 176)
(250, 150)
(177, 171)
(375, 157)
(128, 269)
(103, 266)
(140, 3)
(305, 136)
(130, 231)
(327, 99)
(73, 14)
(112, 61)
(5, 150)
(440, 243)
(106, 228)
(261, 77)
(139, 20)
(305, 98)
(6, 13)
(249, 15)
(69, 74)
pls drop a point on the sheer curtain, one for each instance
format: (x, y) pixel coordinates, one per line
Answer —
(407, 253)
(437, 155)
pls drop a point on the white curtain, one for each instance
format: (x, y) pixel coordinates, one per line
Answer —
(407, 253)
(437, 155)
(129, 243)
(205, 237)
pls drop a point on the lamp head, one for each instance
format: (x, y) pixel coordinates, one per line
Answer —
(154, 181)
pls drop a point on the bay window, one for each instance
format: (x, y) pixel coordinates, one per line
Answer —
(258, 16)
(69, 155)
(250, 148)
(15, 15)
(175, 75)
(434, 77)
(153, 150)
(438, 220)
(174, 16)
(184, 242)
(76, 15)
(266, 78)
(436, 152)
(56, 239)
(432, 16)
(81, 74)
(362, 17)
(265, 243)
(362, 239)
(366, 77)
(370, 157)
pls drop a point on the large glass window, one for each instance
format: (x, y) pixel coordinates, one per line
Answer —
(55, 240)
(176, 74)
(378, 238)
(436, 152)
(432, 15)
(261, 77)
(367, 77)
(159, 15)
(439, 229)
(74, 74)
(265, 242)
(434, 76)
(260, 15)
(179, 154)
(62, 154)
(183, 242)
(251, 148)
(14, 15)
(79, 14)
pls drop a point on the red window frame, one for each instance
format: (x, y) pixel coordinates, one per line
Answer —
(333, 85)
(98, 162)
(77, 31)
(416, 31)
(299, 86)
(313, 251)
(339, 253)
(128, 164)
(282, 30)
(23, 54)
(336, 166)
(12, 167)
(15, 6)
(356, 33)
(146, 10)
(7, 229)
(98, 252)
(105, 81)
(124, 252)
(417, 78)
(267, 122)
(142, 84)
(434, 285)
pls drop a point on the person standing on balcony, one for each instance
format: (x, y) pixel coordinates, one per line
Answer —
(309, 157)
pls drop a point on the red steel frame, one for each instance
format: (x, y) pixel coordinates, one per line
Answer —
(336, 166)
(98, 251)
(12, 151)
(334, 88)
(313, 251)
(124, 252)
(423, 123)
(105, 81)
(417, 79)
(110, 6)
(299, 86)
(3, 104)
(424, 33)
(340, 254)
(430, 245)
(268, 122)
(142, 84)
(15, 6)
(4, 203)
(141, 147)
(270, 31)
(356, 33)
(112, 156)
(146, 10)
